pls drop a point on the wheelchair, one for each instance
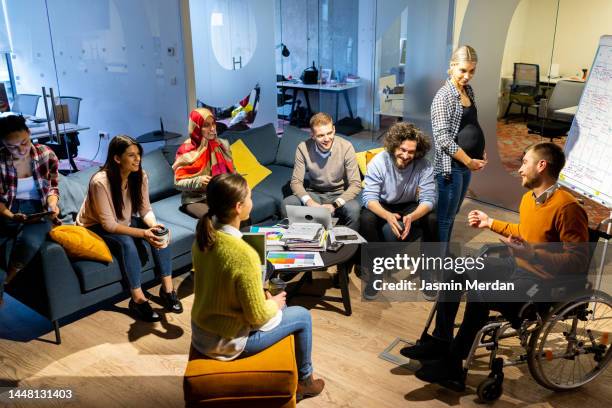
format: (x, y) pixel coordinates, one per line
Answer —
(566, 344)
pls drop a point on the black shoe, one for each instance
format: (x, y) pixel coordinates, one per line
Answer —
(170, 301)
(369, 293)
(449, 373)
(143, 311)
(427, 348)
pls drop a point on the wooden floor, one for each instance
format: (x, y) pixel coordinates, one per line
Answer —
(109, 360)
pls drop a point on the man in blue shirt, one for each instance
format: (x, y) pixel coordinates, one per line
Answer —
(399, 189)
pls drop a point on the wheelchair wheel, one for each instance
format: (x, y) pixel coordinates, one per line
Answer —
(489, 390)
(572, 347)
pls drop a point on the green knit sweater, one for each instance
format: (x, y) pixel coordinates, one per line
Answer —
(228, 291)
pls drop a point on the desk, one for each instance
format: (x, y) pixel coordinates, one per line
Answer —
(545, 80)
(334, 88)
(69, 144)
(568, 111)
(41, 130)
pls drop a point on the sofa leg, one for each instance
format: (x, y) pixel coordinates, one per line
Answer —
(56, 327)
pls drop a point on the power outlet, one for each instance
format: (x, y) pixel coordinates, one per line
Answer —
(103, 135)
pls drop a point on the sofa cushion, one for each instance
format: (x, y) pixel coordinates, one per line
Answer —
(81, 243)
(292, 137)
(264, 207)
(247, 164)
(181, 239)
(73, 189)
(262, 141)
(160, 174)
(169, 152)
(363, 158)
(93, 275)
(276, 184)
(167, 211)
(361, 145)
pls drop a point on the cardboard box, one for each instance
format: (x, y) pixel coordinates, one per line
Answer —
(61, 114)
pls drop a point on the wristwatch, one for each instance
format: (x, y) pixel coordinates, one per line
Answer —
(336, 205)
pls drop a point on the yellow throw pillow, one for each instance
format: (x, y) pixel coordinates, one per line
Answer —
(363, 158)
(246, 164)
(81, 243)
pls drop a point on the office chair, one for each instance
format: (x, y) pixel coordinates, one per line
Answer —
(564, 95)
(26, 104)
(70, 139)
(525, 88)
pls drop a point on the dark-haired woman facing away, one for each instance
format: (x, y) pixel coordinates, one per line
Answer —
(28, 185)
(232, 316)
(117, 191)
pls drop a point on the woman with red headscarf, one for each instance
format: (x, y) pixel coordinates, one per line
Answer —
(199, 159)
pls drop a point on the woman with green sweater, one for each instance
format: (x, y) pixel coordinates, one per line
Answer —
(232, 316)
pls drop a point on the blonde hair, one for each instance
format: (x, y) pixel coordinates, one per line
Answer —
(465, 53)
(319, 119)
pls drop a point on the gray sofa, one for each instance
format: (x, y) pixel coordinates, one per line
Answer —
(58, 287)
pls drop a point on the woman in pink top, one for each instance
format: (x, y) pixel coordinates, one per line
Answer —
(118, 191)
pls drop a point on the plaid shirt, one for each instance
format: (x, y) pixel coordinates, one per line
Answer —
(446, 112)
(44, 171)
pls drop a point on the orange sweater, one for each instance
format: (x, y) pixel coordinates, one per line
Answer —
(559, 219)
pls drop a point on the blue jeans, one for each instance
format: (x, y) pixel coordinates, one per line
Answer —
(132, 255)
(19, 242)
(451, 192)
(296, 320)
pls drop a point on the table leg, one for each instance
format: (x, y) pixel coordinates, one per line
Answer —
(348, 103)
(307, 101)
(343, 271)
(295, 94)
(337, 98)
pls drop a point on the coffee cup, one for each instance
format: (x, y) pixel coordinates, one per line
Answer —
(163, 235)
(276, 286)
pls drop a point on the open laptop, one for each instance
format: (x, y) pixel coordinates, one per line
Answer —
(257, 240)
(302, 214)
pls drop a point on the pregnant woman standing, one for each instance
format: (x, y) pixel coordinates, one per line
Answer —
(458, 138)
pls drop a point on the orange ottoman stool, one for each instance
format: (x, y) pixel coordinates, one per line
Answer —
(268, 379)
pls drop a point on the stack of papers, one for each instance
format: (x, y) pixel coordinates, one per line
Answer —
(305, 237)
(302, 231)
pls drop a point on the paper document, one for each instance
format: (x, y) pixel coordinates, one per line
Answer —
(292, 260)
(302, 231)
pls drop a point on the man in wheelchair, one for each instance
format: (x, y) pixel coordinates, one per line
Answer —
(547, 215)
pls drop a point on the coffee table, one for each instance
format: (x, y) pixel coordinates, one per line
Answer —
(343, 260)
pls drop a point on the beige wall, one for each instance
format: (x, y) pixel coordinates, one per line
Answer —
(530, 35)
(579, 26)
(460, 7)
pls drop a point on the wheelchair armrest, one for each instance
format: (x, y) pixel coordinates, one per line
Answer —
(500, 250)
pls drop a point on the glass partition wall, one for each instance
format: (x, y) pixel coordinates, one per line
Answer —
(117, 68)
(364, 53)
(517, 104)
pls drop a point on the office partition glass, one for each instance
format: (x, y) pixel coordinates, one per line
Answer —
(31, 69)
(116, 67)
(241, 97)
(362, 52)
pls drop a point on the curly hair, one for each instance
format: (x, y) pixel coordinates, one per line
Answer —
(402, 131)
